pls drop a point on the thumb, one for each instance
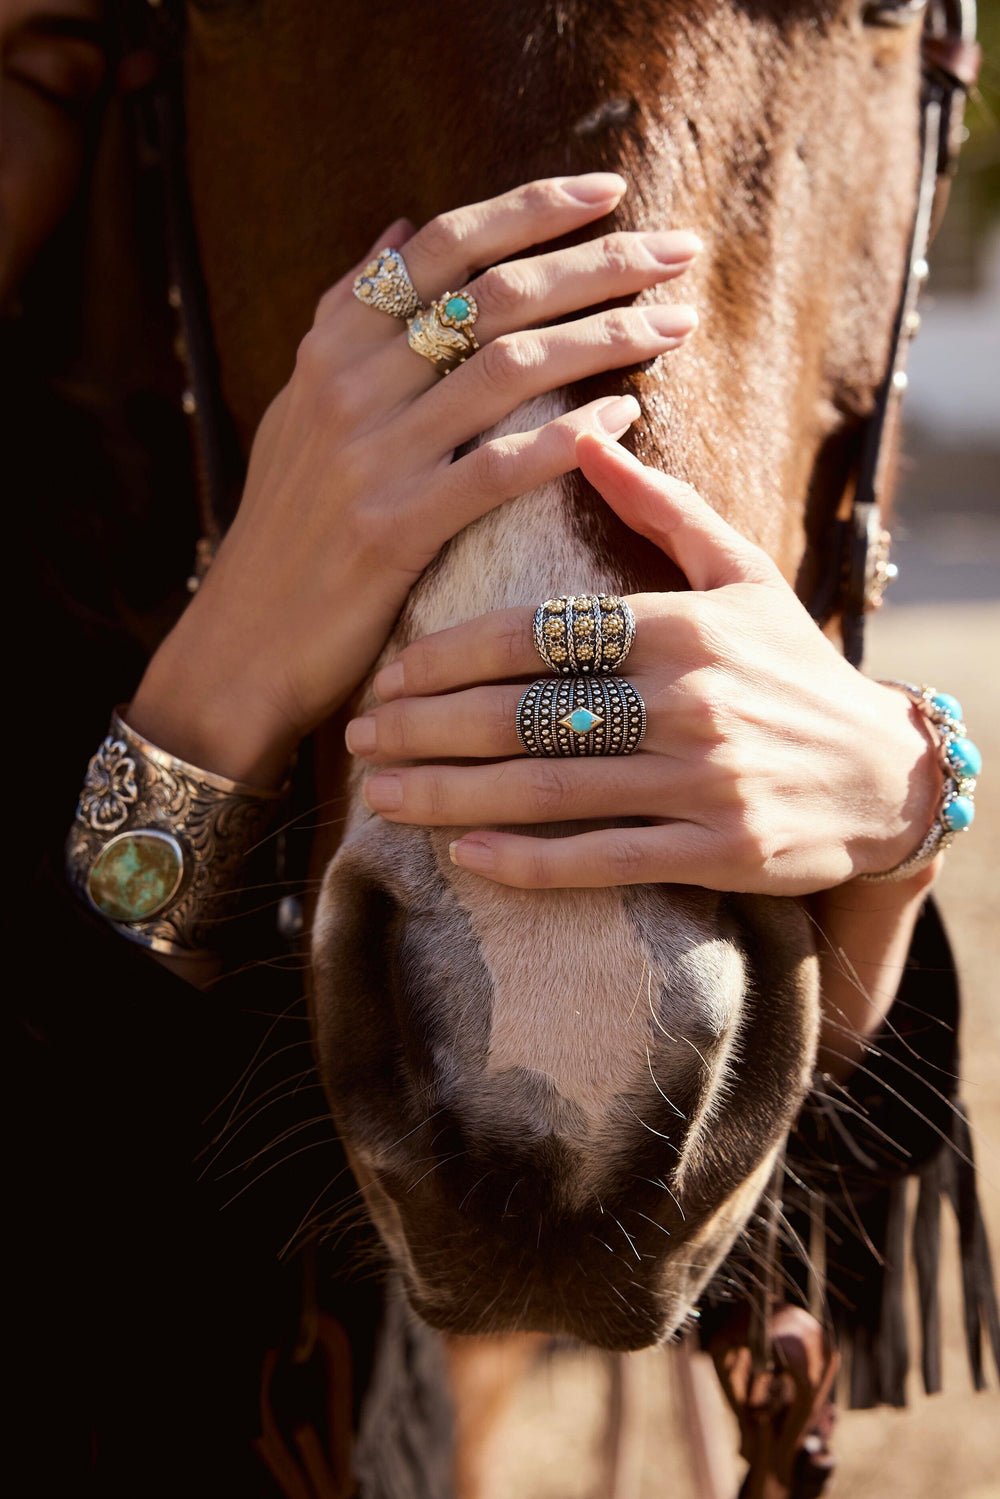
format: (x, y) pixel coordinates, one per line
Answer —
(673, 516)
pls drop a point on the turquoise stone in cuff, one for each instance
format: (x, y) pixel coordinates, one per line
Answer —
(958, 814)
(136, 875)
(945, 703)
(964, 758)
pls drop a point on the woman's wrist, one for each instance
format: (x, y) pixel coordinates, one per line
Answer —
(217, 719)
(905, 783)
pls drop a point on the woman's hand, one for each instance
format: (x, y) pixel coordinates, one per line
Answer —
(351, 488)
(769, 764)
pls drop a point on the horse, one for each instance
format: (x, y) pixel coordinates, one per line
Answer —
(562, 1106)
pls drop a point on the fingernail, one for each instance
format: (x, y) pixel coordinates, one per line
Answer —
(672, 246)
(595, 187)
(671, 322)
(389, 682)
(469, 853)
(620, 412)
(383, 793)
(360, 736)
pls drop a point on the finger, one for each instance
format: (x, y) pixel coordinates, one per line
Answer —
(444, 253)
(523, 293)
(513, 368)
(474, 725)
(676, 853)
(508, 467)
(673, 516)
(533, 790)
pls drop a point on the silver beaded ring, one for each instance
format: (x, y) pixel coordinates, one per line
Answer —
(569, 716)
(385, 283)
(584, 634)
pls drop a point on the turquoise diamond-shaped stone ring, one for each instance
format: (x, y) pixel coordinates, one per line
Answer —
(559, 717)
(582, 721)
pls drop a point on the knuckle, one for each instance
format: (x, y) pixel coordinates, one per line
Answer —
(751, 843)
(513, 644)
(618, 329)
(502, 362)
(618, 254)
(540, 197)
(312, 357)
(622, 860)
(495, 467)
(501, 291)
(427, 794)
(443, 236)
(533, 870)
(392, 730)
(545, 791)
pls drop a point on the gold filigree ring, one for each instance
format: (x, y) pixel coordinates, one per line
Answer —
(585, 634)
(385, 283)
(443, 332)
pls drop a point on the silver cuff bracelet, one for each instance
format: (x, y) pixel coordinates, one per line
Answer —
(158, 846)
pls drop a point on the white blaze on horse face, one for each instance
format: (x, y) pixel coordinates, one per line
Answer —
(577, 987)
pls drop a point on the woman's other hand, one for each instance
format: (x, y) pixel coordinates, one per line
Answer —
(352, 489)
(769, 764)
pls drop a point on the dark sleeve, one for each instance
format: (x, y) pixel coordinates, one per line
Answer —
(849, 1161)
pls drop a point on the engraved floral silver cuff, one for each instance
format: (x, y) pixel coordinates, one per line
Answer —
(158, 846)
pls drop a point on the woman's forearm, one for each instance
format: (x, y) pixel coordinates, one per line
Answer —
(864, 935)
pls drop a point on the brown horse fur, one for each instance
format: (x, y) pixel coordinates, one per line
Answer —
(562, 1106)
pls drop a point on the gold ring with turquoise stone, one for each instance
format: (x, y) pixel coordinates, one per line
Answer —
(443, 333)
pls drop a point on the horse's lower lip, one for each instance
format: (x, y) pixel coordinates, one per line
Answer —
(616, 1333)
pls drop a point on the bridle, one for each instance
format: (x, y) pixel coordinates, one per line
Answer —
(951, 58)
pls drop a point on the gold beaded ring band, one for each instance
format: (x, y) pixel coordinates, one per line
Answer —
(158, 846)
(571, 716)
(584, 634)
(385, 283)
(443, 332)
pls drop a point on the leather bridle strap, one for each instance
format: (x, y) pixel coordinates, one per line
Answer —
(951, 65)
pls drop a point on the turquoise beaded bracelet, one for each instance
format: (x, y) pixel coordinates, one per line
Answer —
(960, 762)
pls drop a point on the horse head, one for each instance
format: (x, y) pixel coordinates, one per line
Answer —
(562, 1106)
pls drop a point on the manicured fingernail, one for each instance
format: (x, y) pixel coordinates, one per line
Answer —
(595, 187)
(383, 793)
(389, 682)
(619, 413)
(360, 736)
(469, 853)
(671, 322)
(672, 246)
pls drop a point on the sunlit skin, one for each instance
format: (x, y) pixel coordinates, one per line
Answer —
(52, 69)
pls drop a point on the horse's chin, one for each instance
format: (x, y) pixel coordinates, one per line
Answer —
(565, 1163)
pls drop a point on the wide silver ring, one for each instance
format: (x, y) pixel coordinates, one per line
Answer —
(559, 717)
(385, 283)
(584, 634)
